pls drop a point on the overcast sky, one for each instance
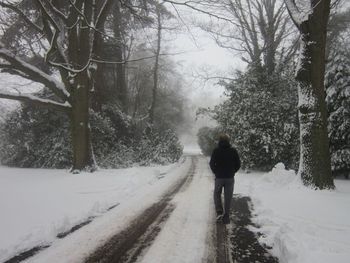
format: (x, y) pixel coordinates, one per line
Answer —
(200, 52)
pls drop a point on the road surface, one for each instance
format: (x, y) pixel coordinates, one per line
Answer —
(185, 204)
(178, 227)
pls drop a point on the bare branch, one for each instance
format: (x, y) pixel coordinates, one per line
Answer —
(134, 60)
(33, 100)
(52, 34)
(57, 12)
(47, 15)
(200, 10)
(101, 17)
(185, 24)
(34, 73)
(21, 15)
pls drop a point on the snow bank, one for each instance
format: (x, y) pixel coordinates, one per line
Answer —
(302, 225)
(280, 177)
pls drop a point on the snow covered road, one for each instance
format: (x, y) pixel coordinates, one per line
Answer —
(174, 229)
(169, 220)
(165, 214)
(186, 236)
(181, 228)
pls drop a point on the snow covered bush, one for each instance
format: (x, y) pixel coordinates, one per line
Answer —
(158, 146)
(338, 101)
(40, 138)
(207, 139)
(35, 138)
(260, 116)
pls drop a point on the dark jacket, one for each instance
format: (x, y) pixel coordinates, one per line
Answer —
(224, 161)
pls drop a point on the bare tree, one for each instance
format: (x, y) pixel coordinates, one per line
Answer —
(161, 14)
(156, 64)
(119, 54)
(258, 29)
(311, 18)
(70, 30)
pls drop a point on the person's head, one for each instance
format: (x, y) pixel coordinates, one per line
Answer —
(224, 138)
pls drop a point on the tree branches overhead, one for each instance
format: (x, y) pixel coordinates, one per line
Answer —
(28, 71)
(258, 29)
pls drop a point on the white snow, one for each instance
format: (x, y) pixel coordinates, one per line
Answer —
(192, 149)
(35, 98)
(14, 83)
(302, 225)
(184, 236)
(57, 85)
(37, 204)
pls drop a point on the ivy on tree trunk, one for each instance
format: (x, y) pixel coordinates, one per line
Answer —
(315, 165)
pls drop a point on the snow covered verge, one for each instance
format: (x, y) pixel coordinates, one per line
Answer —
(302, 225)
(38, 204)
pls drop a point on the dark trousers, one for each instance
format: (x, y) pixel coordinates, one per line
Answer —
(226, 184)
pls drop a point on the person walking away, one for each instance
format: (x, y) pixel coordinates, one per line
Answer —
(224, 163)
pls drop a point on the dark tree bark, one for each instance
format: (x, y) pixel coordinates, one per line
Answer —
(80, 128)
(315, 165)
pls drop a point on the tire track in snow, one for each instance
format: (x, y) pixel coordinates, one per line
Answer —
(129, 244)
(37, 249)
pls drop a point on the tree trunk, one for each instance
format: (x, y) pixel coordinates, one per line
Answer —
(137, 94)
(80, 128)
(315, 166)
(79, 53)
(120, 68)
(155, 70)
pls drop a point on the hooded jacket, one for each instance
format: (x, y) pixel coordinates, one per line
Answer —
(224, 161)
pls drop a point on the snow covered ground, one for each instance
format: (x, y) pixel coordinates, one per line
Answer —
(37, 204)
(300, 224)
